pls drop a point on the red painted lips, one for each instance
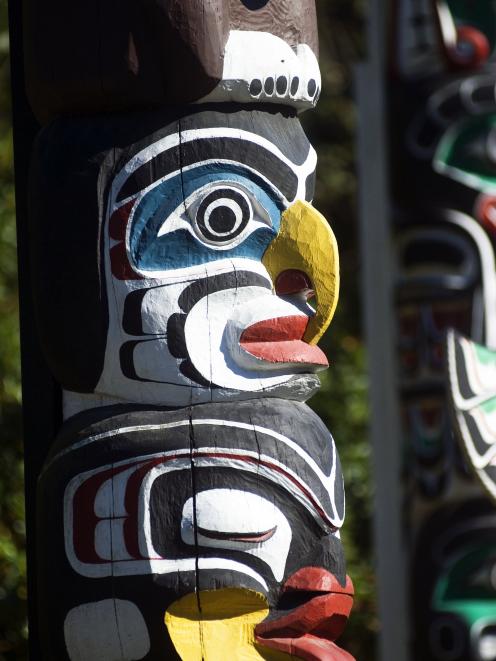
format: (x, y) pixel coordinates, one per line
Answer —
(309, 630)
(280, 341)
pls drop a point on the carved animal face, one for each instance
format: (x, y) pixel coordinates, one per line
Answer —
(161, 52)
(210, 251)
(210, 507)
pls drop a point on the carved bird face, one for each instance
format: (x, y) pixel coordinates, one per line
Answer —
(211, 250)
(152, 529)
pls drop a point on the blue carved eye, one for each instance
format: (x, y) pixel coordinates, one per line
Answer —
(203, 214)
(222, 215)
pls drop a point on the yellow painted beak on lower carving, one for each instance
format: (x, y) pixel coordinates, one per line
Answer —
(219, 625)
(305, 242)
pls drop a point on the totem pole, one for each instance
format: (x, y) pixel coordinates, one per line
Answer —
(191, 503)
(442, 109)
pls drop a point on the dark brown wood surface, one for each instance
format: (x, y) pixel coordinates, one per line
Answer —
(108, 55)
(295, 21)
(99, 56)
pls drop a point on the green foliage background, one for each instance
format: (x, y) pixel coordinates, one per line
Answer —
(342, 402)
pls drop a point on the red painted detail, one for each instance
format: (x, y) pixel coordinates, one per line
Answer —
(485, 210)
(309, 631)
(118, 221)
(85, 519)
(279, 341)
(276, 330)
(293, 281)
(324, 614)
(317, 579)
(119, 261)
(121, 268)
(474, 53)
(131, 503)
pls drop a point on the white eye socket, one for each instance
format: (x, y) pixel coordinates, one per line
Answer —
(223, 215)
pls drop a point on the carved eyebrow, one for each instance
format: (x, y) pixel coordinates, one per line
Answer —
(238, 150)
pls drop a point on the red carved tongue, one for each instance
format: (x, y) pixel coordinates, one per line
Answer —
(280, 341)
(309, 630)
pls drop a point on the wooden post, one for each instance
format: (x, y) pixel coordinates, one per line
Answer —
(41, 396)
(377, 287)
(190, 503)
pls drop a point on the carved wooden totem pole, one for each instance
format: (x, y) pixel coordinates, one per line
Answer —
(443, 154)
(190, 506)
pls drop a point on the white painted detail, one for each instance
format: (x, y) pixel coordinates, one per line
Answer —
(488, 270)
(213, 340)
(483, 639)
(271, 59)
(153, 362)
(108, 630)
(233, 511)
(487, 647)
(109, 542)
(470, 407)
(481, 376)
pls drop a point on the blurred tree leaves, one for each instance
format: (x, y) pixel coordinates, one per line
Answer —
(13, 630)
(342, 402)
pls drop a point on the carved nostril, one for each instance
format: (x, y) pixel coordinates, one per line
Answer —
(311, 87)
(253, 5)
(269, 86)
(294, 281)
(282, 85)
(256, 87)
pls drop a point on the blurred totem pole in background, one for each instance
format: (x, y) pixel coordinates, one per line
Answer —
(191, 503)
(442, 110)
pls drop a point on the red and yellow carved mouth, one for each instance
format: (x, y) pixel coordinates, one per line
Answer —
(310, 629)
(280, 340)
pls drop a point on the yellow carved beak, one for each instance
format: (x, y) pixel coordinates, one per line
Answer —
(224, 628)
(306, 243)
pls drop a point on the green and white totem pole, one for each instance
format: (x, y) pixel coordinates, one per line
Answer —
(438, 76)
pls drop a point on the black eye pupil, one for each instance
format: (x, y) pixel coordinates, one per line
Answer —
(223, 215)
(222, 220)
